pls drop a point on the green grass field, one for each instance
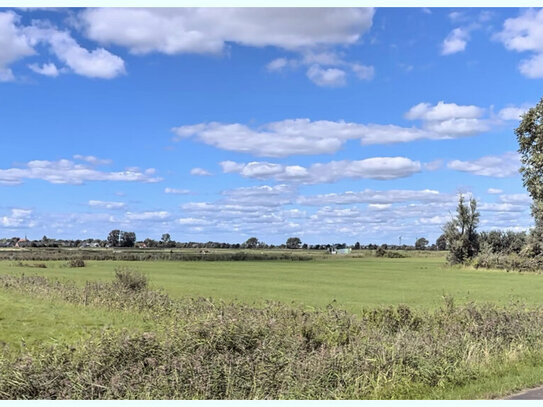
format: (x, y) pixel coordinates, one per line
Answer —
(352, 283)
(349, 283)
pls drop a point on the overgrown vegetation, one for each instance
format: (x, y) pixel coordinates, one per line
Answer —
(41, 254)
(204, 349)
(382, 252)
(75, 263)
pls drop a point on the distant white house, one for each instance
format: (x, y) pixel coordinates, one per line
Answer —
(333, 250)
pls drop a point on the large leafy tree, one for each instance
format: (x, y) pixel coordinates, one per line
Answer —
(461, 232)
(530, 139)
(294, 243)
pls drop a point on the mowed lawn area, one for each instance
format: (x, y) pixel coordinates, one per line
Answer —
(349, 283)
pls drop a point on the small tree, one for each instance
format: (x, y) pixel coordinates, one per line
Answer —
(251, 243)
(128, 239)
(293, 243)
(113, 239)
(441, 242)
(530, 139)
(421, 243)
(461, 232)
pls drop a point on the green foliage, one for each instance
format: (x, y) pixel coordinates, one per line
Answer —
(441, 242)
(204, 349)
(74, 263)
(130, 280)
(381, 252)
(530, 139)
(504, 242)
(251, 243)
(421, 243)
(461, 232)
(293, 243)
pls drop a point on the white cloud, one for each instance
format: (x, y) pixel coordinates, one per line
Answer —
(263, 195)
(67, 172)
(500, 207)
(14, 44)
(176, 191)
(329, 77)
(533, 67)
(200, 172)
(17, 42)
(506, 165)
(92, 159)
(525, 34)
(17, 218)
(455, 42)
(364, 72)
(515, 198)
(49, 69)
(207, 30)
(443, 111)
(379, 168)
(107, 204)
(98, 63)
(494, 191)
(148, 216)
(512, 112)
(303, 136)
(277, 64)
(375, 197)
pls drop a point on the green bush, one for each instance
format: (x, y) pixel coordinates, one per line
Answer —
(204, 349)
(130, 280)
(74, 263)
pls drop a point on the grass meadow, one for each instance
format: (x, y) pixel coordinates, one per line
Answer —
(493, 348)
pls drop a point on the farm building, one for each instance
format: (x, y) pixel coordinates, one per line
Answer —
(333, 250)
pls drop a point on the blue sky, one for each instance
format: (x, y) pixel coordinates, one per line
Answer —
(334, 125)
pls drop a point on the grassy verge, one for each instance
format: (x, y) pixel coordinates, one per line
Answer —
(32, 320)
(206, 349)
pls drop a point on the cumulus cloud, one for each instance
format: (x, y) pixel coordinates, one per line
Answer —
(264, 195)
(18, 41)
(107, 204)
(48, 69)
(92, 159)
(303, 136)
(98, 63)
(379, 168)
(505, 165)
(455, 42)
(148, 216)
(443, 111)
(525, 34)
(512, 112)
(277, 64)
(200, 172)
(208, 30)
(176, 191)
(67, 172)
(330, 77)
(494, 191)
(370, 196)
(365, 72)
(17, 218)
(14, 44)
(515, 198)
(311, 33)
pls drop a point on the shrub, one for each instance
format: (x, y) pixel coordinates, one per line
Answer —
(130, 280)
(73, 263)
(204, 349)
